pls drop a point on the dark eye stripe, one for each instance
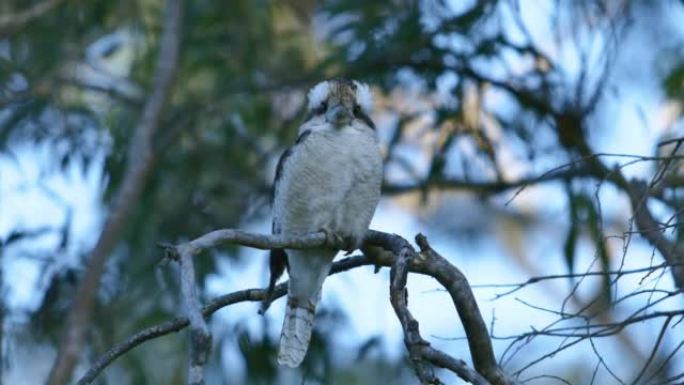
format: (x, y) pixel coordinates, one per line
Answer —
(359, 114)
(321, 108)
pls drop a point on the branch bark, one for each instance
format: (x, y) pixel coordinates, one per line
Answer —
(177, 324)
(672, 252)
(420, 350)
(399, 299)
(458, 287)
(200, 337)
(430, 263)
(400, 256)
(140, 160)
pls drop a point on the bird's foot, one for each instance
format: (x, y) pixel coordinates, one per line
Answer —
(351, 243)
(332, 238)
(347, 243)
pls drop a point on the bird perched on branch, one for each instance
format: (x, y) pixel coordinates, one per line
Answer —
(328, 180)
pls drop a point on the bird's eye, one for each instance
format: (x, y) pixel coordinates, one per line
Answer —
(357, 109)
(322, 107)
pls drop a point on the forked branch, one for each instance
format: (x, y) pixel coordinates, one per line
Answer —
(381, 249)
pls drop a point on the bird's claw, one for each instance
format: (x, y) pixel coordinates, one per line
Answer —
(332, 238)
(347, 243)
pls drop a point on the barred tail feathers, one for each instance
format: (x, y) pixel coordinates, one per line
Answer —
(296, 333)
(307, 270)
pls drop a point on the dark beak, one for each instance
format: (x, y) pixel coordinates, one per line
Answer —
(339, 115)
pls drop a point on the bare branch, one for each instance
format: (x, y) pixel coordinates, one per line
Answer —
(257, 241)
(427, 263)
(458, 287)
(663, 329)
(671, 141)
(177, 324)
(200, 336)
(457, 366)
(588, 166)
(399, 299)
(140, 163)
(672, 252)
(514, 287)
(665, 362)
(419, 349)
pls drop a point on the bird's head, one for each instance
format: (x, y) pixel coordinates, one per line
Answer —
(340, 101)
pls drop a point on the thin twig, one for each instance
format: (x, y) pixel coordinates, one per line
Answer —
(663, 329)
(177, 324)
(514, 287)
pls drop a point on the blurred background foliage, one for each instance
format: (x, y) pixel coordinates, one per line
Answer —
(467, 100)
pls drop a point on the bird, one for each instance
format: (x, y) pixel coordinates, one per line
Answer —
(328, 180)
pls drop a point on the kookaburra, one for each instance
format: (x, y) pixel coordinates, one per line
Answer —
(328, 180)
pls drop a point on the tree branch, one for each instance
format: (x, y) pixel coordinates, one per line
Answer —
(200, 336)
(419, 349)
(257, 241)
(140, 160)
(399, 299)
(650, 230)
(400, 256)
(589, 166)
(177, 324)
(458, 287)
